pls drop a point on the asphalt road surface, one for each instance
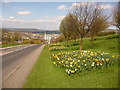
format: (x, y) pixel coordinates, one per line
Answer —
(14, 48)
(11, 61)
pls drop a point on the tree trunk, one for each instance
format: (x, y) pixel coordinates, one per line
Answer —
(67, 41)
(81, 41)
(75, 39)
(92, 41)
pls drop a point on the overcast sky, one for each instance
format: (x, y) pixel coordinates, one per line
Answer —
(41, 15)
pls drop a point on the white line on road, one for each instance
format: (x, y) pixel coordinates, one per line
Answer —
(17, 50)
(12, 71)
(12, 47)
(17, 66)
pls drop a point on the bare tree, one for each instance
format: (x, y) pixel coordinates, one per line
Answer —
(117, 16)
(86, 15)
(98, 25)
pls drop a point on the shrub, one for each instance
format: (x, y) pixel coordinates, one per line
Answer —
(106, 33)
(60, 38)
(57, 48)
(53, 45)
(112, 36)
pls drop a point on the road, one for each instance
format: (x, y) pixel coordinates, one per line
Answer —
(14, 48)
(13, 60)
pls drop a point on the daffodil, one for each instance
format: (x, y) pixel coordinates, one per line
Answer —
(71, 66)
(78, 60)
(83, 60)
(72, 71)
(67, 66)
(54, 62)
(113, 56)
(66, 62)
(93, 64)
(102, 59)
(76, 69)
(72, 60)
(68, 72)
(101, 64)
(107, 59)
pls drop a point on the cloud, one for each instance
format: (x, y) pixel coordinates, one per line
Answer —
(51, 19)
(74, 5)
(5, 2)
(106, 6)
(46, 16)
(11, 17)
(1, 17)
(48, 19)
(62, 7)
(24, 13)
(79, 4)
(49, 23)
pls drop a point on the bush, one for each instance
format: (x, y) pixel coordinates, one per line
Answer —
(60, 38)
(106, 33)
(112, 36)
(31, 42)
(37, 42)
(57, 48)
(27, 42)
(53, 45)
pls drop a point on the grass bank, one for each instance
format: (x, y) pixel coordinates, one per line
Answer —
(3, 46)
(46, 75)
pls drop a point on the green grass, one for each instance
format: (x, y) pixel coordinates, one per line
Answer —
(3, 46)
(46, 75)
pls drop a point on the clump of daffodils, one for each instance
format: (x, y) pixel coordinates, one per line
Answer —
(53, 45)
(82, 60)
(57, 48)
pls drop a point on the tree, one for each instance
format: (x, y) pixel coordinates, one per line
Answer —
(6, 37)
(86, 15)
(68, 26)
(17, 36)
(117, 16)
(64, 30)
(73, 25)
(98, 25)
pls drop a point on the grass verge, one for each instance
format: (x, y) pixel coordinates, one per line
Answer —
(3, 46)
(46, 75)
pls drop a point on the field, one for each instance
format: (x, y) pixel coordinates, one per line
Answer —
(46, 75)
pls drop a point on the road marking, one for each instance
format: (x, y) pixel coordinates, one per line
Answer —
(12, 46)
(17, 50)
(12, 72)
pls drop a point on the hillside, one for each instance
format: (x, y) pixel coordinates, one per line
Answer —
(32, 30)
(44, 71)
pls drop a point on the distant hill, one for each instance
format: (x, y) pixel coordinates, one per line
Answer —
(32, 30)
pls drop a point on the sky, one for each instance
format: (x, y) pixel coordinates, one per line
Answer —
(39, 15)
